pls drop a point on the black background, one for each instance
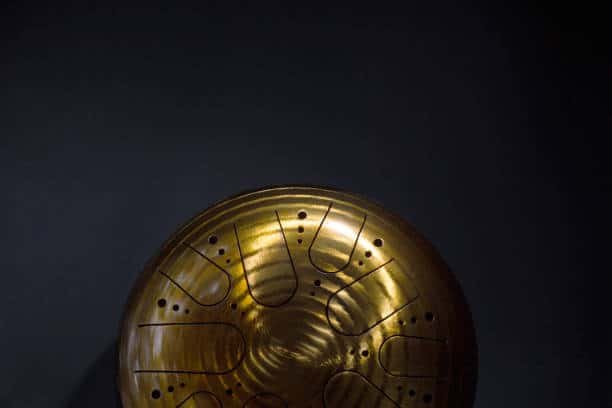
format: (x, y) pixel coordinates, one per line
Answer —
(481, 125)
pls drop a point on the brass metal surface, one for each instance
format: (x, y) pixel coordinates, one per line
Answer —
(300, 297)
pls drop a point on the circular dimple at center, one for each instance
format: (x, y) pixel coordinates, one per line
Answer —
(293, 349)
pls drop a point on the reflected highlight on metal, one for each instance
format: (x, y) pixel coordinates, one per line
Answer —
(297, 297)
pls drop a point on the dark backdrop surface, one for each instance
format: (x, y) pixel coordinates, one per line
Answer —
(479, 125)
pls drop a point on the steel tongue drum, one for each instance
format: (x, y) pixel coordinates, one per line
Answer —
(297, 297)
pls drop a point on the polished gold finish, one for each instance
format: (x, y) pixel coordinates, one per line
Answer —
(300, 297)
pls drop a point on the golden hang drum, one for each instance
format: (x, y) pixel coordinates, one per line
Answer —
(297, 297)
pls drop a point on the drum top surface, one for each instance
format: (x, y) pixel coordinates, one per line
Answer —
(297, 296)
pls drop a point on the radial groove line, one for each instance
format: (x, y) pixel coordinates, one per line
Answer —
(189, 324)
(242, 262)
(245, 269)
(314, 238)
(188, 245)
(378, 321)
(184, 371)
(437, 340)
(365, 217)
(297, 282)
(367, 379)
(189, 295)
(145, 371)
(316, 235)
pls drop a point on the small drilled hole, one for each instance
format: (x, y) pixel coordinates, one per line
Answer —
(352, 351)
(365, 353)
(221, 251)
(182, 385)
(300, 229)
(401, 322)
(368, 254)
(302, 215)
(317, 282)
(229, 391)
(212, 239)
(156, 394)
(242, 313)
(429, 316)
(228, 260)
(175, 308)
(399, 388)
(233, 306)
(413, 320)
(170, 388)
(360, 263)
(238, 385)
(412, 393)
(300, 241)
(378, 242)
(427, 398)
(161, 302)
(186, 311)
